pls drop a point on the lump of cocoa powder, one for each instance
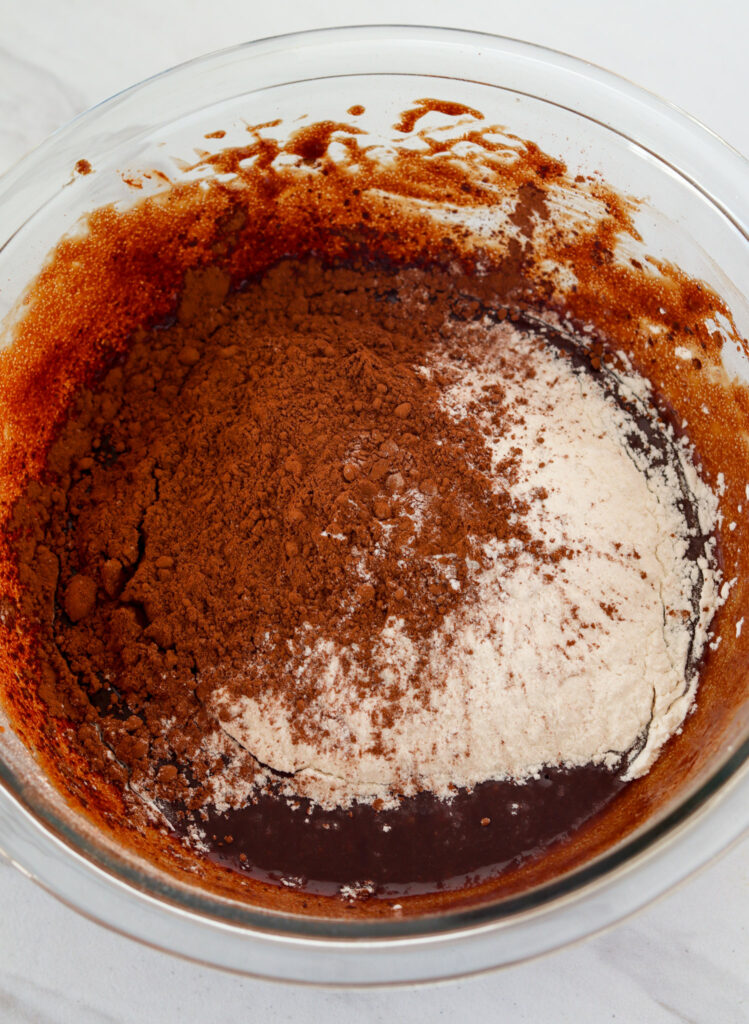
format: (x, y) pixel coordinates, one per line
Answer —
(80, 597)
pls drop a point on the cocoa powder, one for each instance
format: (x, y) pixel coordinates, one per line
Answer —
(269, 462)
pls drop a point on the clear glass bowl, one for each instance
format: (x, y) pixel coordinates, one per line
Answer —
(696, 215)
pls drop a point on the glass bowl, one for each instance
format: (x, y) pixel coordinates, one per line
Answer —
(696, 215)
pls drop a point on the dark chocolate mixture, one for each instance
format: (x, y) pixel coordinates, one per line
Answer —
(188, 513)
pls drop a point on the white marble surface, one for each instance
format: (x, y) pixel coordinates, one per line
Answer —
(684, 959)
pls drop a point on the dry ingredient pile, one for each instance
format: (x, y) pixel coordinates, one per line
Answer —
(351, 534)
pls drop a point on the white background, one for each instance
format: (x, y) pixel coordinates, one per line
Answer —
(685, 959)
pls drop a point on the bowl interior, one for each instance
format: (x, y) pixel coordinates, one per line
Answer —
(153, 135)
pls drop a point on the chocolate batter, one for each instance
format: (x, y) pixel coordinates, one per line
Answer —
(122, 578)
(190, 512)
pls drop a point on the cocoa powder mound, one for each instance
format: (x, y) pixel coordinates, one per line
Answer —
(271, 460)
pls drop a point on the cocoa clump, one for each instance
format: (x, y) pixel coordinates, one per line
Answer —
(80, 598)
